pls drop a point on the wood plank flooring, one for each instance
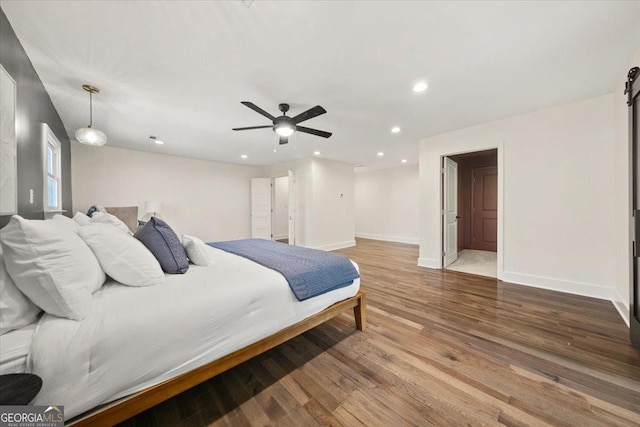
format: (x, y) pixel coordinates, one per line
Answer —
(441, 348)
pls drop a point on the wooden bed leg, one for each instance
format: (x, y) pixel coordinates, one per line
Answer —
(360, 312)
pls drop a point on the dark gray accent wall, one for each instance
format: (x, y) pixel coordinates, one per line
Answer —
(33, 107)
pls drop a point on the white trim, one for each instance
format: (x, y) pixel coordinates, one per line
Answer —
(566, 286)
(622, 308)
(501, 179)
(280, 236)
(49, 139)
(409, 240)
(430, 263)
(10, 183)
(334, 246)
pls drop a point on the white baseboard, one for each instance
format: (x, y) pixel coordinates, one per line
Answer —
(576, 288)
(334, 246)
(622, 308)
(428, 262)
(280, 236)
(409, 240)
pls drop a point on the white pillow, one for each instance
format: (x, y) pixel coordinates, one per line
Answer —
(51, 265)
(196, 250)
(107, 218)
(81, 219)
(66, 222)
(16, 310)
(123, 257)
(202, 254)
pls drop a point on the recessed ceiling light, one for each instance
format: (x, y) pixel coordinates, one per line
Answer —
(244, 156)
(316, 153)
(395, 129)
(420, 87)
(380, 154)
(404, 160)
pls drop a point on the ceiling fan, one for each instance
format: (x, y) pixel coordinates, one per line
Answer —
(284, 125)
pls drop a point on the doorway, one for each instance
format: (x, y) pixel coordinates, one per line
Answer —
(274, 214)
(470, 212)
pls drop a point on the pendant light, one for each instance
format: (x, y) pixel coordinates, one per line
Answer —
(89, 135)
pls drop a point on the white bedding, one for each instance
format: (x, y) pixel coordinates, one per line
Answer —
(137, 337)
(14, 348)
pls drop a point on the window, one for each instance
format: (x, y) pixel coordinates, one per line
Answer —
(53, 171)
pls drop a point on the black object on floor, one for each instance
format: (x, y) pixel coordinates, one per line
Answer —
(19, 389)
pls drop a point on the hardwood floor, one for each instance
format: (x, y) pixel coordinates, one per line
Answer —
(441, 348)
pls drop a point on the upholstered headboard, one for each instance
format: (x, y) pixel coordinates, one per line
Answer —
(128, 215)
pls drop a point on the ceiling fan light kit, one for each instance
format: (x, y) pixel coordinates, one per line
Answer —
(284, 129)
(284, 125)
(88, 135)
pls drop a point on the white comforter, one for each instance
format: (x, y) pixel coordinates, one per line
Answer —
(137, 337)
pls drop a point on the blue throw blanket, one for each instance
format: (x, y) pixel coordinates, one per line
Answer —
(310, 272)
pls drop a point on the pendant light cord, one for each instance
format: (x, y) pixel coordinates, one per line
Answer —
(90, 108)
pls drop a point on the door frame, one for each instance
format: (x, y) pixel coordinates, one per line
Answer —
(292, 212)
(633, 92)
(501, 175)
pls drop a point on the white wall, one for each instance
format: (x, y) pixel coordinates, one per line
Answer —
(622, 205)
(557, 193)
(281, 207)
(386, 204)
(333, 225)
(325, 220)
(207, 199)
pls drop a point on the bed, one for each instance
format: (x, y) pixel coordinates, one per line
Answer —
(205, 322)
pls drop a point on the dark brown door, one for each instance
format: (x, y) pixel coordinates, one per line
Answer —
(484, 209)
(633, 101)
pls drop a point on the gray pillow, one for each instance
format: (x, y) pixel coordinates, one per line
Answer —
(164, 244)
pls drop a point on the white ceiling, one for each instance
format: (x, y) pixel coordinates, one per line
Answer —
(180, 69)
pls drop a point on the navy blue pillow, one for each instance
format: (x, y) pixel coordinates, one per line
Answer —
(164, 244)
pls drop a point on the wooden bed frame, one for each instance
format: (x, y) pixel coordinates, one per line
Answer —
(125, 408)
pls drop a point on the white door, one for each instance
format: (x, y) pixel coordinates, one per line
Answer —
(292, 208)
(450, 211)
(261, 208)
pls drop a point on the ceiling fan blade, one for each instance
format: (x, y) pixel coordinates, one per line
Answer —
(253, 127)
(284, 140)
(309, 114)
(258, 110)
(314, 131)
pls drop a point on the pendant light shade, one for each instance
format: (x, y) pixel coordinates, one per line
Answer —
(89, 135)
